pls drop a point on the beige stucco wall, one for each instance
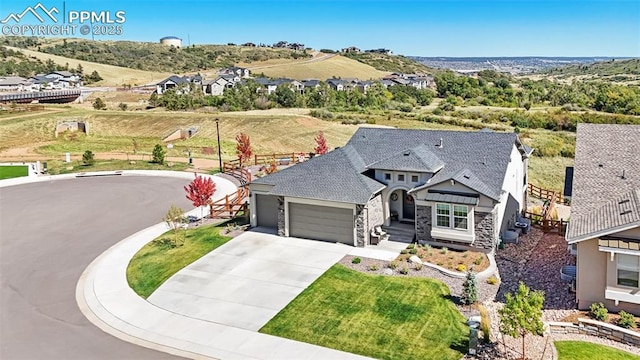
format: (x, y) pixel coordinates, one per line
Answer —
(597, 272)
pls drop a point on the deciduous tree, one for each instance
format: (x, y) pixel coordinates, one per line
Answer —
(175, 221)
(199, 192)
(243, 148)
(321, 144)
(522, 314)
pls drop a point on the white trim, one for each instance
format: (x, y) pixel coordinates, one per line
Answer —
(625, 295)
(601, 232)
(618, 251)
(451, 234)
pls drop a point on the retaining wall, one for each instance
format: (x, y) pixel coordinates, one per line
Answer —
(596, 328)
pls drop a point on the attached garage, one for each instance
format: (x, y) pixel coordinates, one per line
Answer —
(267, 210)
(321, 223)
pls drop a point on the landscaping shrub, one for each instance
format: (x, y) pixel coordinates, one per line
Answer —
(469, 289)
(485, 323)
(461, 268)
(393, 265)
(478, 260)
(492, 280)
(404, 251)
(413, 251)
(87, 158)
(626, 320)
(418, 267)
(373, 267)
(598, 311)
(411, 246)
(356, 260)
(404, 270)
(158, 154)
(444, 250)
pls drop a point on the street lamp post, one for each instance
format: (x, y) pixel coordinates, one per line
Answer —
(219, 152)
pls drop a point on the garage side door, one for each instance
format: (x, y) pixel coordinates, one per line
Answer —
(267, 210)
(321, 223)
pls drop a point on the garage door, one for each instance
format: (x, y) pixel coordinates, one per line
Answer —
(267, 210)
(321, 223)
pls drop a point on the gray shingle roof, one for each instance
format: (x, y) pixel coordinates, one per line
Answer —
(603, 152)
(483, 156)
(175, 78)
(419, 159)
(477, 160)
(335, 176)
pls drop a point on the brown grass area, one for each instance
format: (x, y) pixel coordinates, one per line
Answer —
(450, 259)
(338, 66)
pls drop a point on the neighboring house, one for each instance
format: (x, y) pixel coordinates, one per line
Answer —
(15, 83)
(336, 84)
(68, 79)
(173, 81)
(379, 51)
(351, 49)
(217, 86)
(236, 71)
(605, 216)
(460, 189)
(270, 85)
(310, 84)
(249, 44)
(363, 86)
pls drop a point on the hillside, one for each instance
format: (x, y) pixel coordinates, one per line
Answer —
(112, 75)
(612, 70)
(391, 63)
(323, 67)
(152, 56)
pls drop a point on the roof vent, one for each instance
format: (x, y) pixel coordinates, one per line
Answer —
(623, 175)
(600, 165)
(441, 144)
(623, 201)
(625, 212)
(465, 176)
(407, 153)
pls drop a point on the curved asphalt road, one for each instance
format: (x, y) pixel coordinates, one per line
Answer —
(49, 233)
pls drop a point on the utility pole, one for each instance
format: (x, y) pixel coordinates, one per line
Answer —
(219, 152)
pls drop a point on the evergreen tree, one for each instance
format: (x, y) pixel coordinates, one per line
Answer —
(469, 289)
(158, 154)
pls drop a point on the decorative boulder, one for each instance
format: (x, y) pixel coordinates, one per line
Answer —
(414, 259)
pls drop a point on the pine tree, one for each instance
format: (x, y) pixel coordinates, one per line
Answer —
(469, 289)
(158, 154)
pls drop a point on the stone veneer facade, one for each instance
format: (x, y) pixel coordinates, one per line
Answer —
(281, 216)
(484, 227)
(361, 226)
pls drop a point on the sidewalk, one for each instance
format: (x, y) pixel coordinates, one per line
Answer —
(106, 299)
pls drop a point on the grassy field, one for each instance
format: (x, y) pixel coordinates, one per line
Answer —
(30, 136)
(11, 171)
(579, 350)
(157, 262)
(337, 66)
(112, 75)
(382, 317)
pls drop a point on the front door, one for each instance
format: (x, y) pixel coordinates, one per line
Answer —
(408, 207)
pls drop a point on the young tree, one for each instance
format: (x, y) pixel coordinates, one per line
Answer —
(522, 314)
(469, 289)
(243, 148)
(98, 104)
(158, 154)
(87, 158)
(321, 144)
(200, 191)
(175, 221)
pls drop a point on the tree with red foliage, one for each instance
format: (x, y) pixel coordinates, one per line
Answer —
(200, 191)
(321, 144)
(243, 148)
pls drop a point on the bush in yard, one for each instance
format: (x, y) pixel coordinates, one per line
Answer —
(98, 104)
(411, 246)
(87, 158)
(158, 154)
(469, 289)
(418, 266)
(404, 251)
(598, 312)
(413, 251)
(461, 268)
(492, 280)
(393, 265)
(373, 267)
(404, 270)
(626, 320)
(444, 251)
(485, 323)
(478, 260)
(356, 260)
(123, 106)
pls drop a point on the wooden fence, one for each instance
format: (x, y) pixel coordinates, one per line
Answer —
(540, 193)
(281, 159)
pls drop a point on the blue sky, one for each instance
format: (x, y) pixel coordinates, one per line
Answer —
(409, 27)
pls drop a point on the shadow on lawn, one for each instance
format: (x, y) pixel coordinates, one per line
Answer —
(454, 299)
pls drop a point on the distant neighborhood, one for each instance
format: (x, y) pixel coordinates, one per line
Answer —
(55, 80)
(228, 78)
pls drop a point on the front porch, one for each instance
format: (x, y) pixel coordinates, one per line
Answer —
(401, 232)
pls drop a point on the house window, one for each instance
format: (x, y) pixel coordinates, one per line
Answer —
(387, 176)
(414, 178)
(401, 177)
(628, 270)
(460, 213)
(443, 215)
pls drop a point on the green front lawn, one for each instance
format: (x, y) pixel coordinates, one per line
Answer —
(156, 262)
(377, 316)
(580, 350)
(12, 171)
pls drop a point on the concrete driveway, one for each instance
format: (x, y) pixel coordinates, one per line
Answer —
(247, 281)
